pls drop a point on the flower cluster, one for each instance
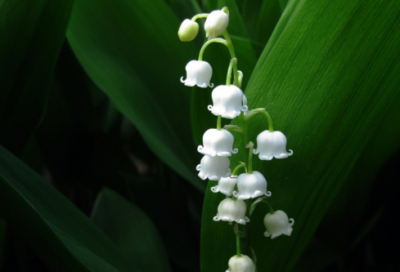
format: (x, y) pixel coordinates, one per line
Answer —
(230, 102)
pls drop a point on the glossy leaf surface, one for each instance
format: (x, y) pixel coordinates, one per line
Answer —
(61, 235)
(327, 77)
(131, 230)
(127, 48)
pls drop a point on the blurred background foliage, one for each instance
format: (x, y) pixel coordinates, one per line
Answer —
(98, 136)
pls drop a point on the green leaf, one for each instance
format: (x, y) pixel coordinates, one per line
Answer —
(32, 33)
(350, 205)
(327, 76)
(131, 51)
(269, 15)
(131, 230)
(60, 234)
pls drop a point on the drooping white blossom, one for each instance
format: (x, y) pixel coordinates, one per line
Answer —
(227, 101)
(217, 143)
(232, 210)
(198, 73)
(225, 186)
(213, 168)
(188, 30)
(272, 144)
(240, 263)
(216, 23)
(278, 223)
(251, 186)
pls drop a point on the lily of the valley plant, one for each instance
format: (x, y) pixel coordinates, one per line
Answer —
(241, 183)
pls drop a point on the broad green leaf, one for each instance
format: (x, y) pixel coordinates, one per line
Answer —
(131, 230)
(32, 33)
(131, 51)
(327, 76)
(286, 18)
(350, 205)
(177, 204)
(60, 234)
(250, 13)
(269, 15)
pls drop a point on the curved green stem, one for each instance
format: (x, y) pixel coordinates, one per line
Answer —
(261, 110)
(229, 75)
(245, 135)
(233, 128)
(203, 48)
(271, 210)
(198, 16)
(219, 122)
(231, 49)
(237, 168)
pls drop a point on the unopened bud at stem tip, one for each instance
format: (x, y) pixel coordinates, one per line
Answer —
(250, 145)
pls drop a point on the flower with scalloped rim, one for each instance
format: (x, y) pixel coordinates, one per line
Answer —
(217, 143)
(227, 101)
(240, 263)
(251, 186)
(232, 210)
(198, 73)
(225, 185)
(278, 223)
(272, 144)
(213, 168)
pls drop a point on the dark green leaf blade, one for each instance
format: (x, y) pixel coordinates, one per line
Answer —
(327, 79)
(131, 230)
(130, 50)
(61, 235)
(32, 33)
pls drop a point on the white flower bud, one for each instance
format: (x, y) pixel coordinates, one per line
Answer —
(188, 30)
(214, 168)
(251, 186)
(225, 185)
(216, 23)
(198, 73)
(227, 101)
(278, 223)
(232, 210)
(217, 143)
(240, 78)
(272, 144)
(240, 263)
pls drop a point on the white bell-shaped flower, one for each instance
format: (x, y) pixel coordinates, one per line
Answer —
(225, 186)
(227, 101)
(278, 223)
(240, 263)
(214, 168)
(251, 186)
(217, 143)
(232, 210)
(272, 144)
(198, 73)
(216, 23)
(188, 30)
